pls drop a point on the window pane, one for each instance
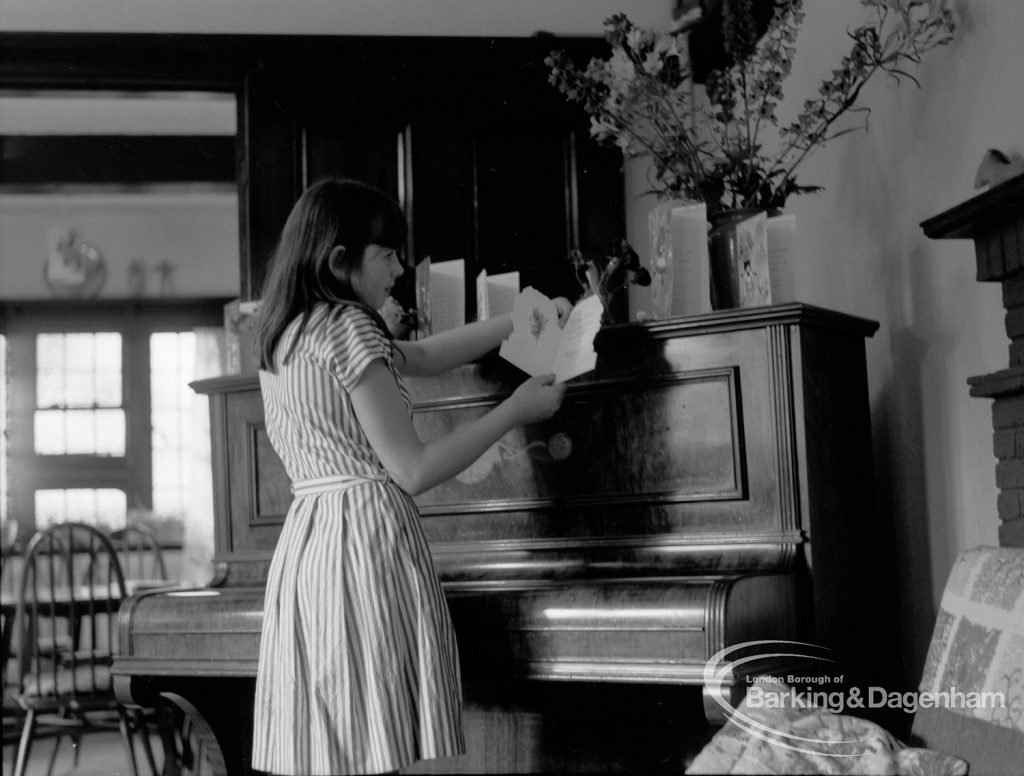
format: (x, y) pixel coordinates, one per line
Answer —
(108, 388)
(77, 373)
(79, 390)
(105, 507)
(50, 370)
(167, 430)
(4, 506)
(172, 367)
(50, 433)
(108, 349)
(107, 375)
(80, 432)
(79, 369)
(110, 432)
(163, 393)
(79, 353)
(50, 353)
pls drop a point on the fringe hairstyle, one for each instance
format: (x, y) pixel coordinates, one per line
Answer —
(331, 212)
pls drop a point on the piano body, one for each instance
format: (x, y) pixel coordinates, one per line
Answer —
(708, 484)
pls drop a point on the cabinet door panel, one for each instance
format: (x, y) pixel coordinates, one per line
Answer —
(489, 162)
(523, 221)
(440, 149)
(368, 154)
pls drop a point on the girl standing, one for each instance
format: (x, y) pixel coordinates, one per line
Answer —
(358, 669)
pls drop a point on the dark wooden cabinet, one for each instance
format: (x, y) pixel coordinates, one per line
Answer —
(489, 162)
(708, 484)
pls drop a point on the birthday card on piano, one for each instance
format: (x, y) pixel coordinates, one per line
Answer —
(538, 346)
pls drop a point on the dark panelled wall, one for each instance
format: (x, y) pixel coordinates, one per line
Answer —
(489, 161)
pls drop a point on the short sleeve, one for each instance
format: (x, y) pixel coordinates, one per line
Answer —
(353, 342)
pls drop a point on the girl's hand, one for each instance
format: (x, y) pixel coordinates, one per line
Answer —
(564, 307)
(538, 398)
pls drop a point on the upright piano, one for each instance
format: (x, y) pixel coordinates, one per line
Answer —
(708, 484)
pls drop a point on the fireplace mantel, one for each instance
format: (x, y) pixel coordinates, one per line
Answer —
(994, 220)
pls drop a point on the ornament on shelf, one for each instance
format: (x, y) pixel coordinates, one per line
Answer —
(166, 271)
(73, 270)
(137, 277)
(997, 167)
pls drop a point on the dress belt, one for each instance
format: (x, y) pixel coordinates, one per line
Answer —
(336, 482)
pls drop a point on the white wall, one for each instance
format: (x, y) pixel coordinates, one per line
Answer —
(863, 252)
(328, 17)
(196, 233)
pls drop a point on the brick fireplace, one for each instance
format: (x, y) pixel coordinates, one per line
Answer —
(994, 220)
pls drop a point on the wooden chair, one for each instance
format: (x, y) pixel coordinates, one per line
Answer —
(139, 552)
(10, 568)
(65, 634)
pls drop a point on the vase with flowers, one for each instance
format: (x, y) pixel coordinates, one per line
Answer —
(724, 144)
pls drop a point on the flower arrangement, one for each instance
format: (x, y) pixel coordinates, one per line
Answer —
(728, 149)
(607, 275)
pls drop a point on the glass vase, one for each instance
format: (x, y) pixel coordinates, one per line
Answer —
(724, 255)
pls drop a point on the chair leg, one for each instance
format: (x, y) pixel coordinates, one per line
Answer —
(147, 747)
(53, 755)
(76, 747)
(188, 752)
(129, 745)
(200, 756)
(56, 745)
(25, 744)
(167, 726)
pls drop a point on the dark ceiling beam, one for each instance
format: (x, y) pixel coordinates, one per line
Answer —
(30, 160)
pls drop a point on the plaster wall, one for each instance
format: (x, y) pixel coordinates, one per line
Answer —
(194, 234)
(863, 251)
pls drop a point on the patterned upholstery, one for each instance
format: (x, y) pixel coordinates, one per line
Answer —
(813, 740)
(977, 647)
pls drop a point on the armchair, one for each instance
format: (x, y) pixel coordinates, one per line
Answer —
(970, 712)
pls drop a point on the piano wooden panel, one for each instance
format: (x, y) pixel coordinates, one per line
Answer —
(707, 484)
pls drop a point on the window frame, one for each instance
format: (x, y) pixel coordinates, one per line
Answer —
(135, 320)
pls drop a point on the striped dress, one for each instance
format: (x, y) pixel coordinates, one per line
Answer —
(358, 668)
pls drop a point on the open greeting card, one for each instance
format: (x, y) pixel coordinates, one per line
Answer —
(495, 294)
(440, 295)
(538, 346)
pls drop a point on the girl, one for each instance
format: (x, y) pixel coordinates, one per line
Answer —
(358, 669)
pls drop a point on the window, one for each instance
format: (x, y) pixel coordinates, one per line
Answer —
(5, 510)
(78, 394)
(99, 414)
(173, 404)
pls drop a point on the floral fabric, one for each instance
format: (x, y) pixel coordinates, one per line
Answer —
(977, 648)
(811, 740)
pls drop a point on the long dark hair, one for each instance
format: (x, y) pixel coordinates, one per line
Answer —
(331, 212)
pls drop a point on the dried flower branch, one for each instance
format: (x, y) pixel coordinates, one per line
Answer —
(642, 98)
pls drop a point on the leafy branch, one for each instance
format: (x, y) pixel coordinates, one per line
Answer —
(643, 99)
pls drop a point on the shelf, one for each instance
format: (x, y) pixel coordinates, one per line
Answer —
(995, 206)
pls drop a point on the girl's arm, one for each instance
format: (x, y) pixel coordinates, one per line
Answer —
(440, 352)
(417, 466)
